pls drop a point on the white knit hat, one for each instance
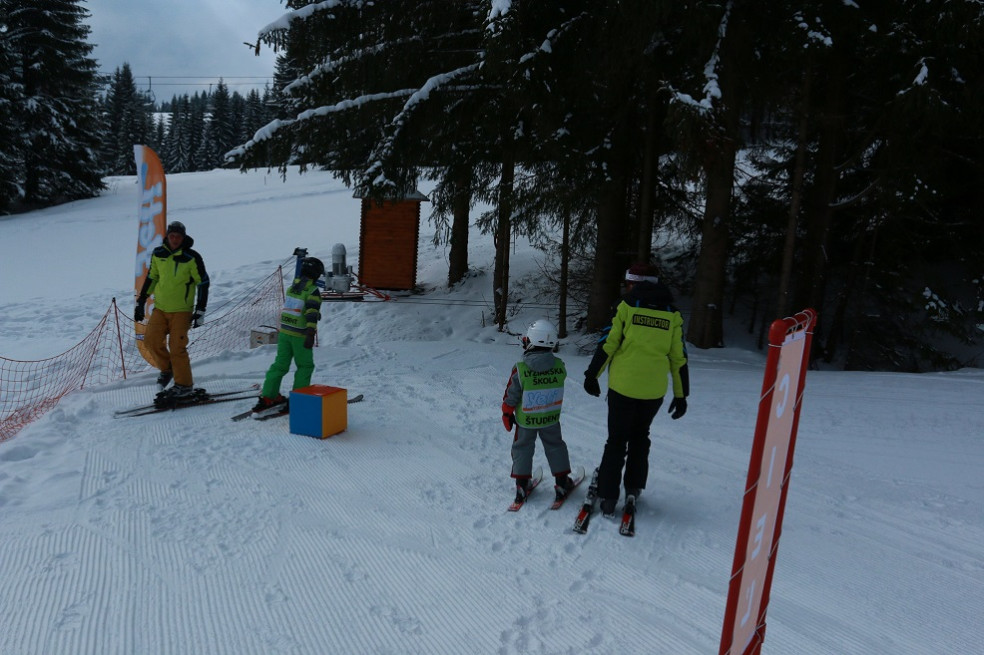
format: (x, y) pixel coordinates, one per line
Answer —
(641, 273)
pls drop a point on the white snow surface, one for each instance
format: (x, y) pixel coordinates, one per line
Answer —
(185, 532)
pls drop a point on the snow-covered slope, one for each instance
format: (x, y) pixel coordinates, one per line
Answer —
(187, 533)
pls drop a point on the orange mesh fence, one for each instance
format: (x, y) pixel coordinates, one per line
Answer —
(28, 389)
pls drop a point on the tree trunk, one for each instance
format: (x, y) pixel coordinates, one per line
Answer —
(647, 185)
(607, 273)
(503, 238)
(837, 325)
(852, 360)
(565, 258)
(795, 201)
(706, 328)
(819, 212)
(461, 205)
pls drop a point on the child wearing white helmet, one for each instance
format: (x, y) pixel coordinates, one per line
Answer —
(532, 403)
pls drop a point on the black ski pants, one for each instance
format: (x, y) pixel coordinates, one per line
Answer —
(628, 443)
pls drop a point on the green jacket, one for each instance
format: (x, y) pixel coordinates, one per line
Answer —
(644, 347)
(175, 277)
(302, 308)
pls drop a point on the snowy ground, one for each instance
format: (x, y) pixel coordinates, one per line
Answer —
(187, 533)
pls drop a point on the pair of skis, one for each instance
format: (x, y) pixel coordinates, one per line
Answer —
(577, 475)
(199, 396)
(277, 411)
(627, 526)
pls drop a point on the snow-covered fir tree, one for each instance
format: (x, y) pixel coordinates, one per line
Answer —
(635, 123)
(220, 130)
(12, 144)
(59, 106)
(128, 122)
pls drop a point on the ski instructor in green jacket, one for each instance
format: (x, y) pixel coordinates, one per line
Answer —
(176, 278)
(642, 349)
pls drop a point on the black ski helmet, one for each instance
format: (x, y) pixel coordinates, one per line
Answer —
(312, 268)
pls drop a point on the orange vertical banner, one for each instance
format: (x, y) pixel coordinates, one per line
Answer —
(152, 214)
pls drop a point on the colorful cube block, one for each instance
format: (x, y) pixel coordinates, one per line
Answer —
(318, 411)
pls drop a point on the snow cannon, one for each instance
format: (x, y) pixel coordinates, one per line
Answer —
(340, 278)
(338, 259)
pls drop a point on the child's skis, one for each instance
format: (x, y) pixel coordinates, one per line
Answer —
(521, 498)
(577, 475)
(277, 411)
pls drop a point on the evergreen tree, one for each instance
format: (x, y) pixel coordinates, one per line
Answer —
(907, 177)
(220, 129)
(201, 155)
(177, 150)
(614, 59)
(385, 89)
(617, 120)
(258, 111)
(160, 133)
(237, 108)
(711, 98)
(255, 115)
(60, 110)
(128, 123)
(12, 143)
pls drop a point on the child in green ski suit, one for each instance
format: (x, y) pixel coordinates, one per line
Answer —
(298, 327)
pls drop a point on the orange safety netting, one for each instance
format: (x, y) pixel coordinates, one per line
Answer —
(109, 353)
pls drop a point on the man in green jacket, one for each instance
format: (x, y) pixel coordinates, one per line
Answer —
(298, 327)
(177, 275)
(642, 349)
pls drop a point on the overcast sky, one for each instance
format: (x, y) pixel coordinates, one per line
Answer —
(182, 46)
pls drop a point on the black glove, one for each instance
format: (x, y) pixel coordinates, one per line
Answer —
(198, 318)
(591, 385)
(678, 407)
(309, 338)
(138, 311)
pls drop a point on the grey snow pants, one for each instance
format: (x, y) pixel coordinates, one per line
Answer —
(524, 445)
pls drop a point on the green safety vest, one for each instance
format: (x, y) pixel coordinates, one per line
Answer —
(301, 309)
(543, 395)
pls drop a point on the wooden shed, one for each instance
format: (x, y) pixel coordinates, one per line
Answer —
(388, 242)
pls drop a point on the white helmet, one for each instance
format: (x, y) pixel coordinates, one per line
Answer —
(542, 334)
